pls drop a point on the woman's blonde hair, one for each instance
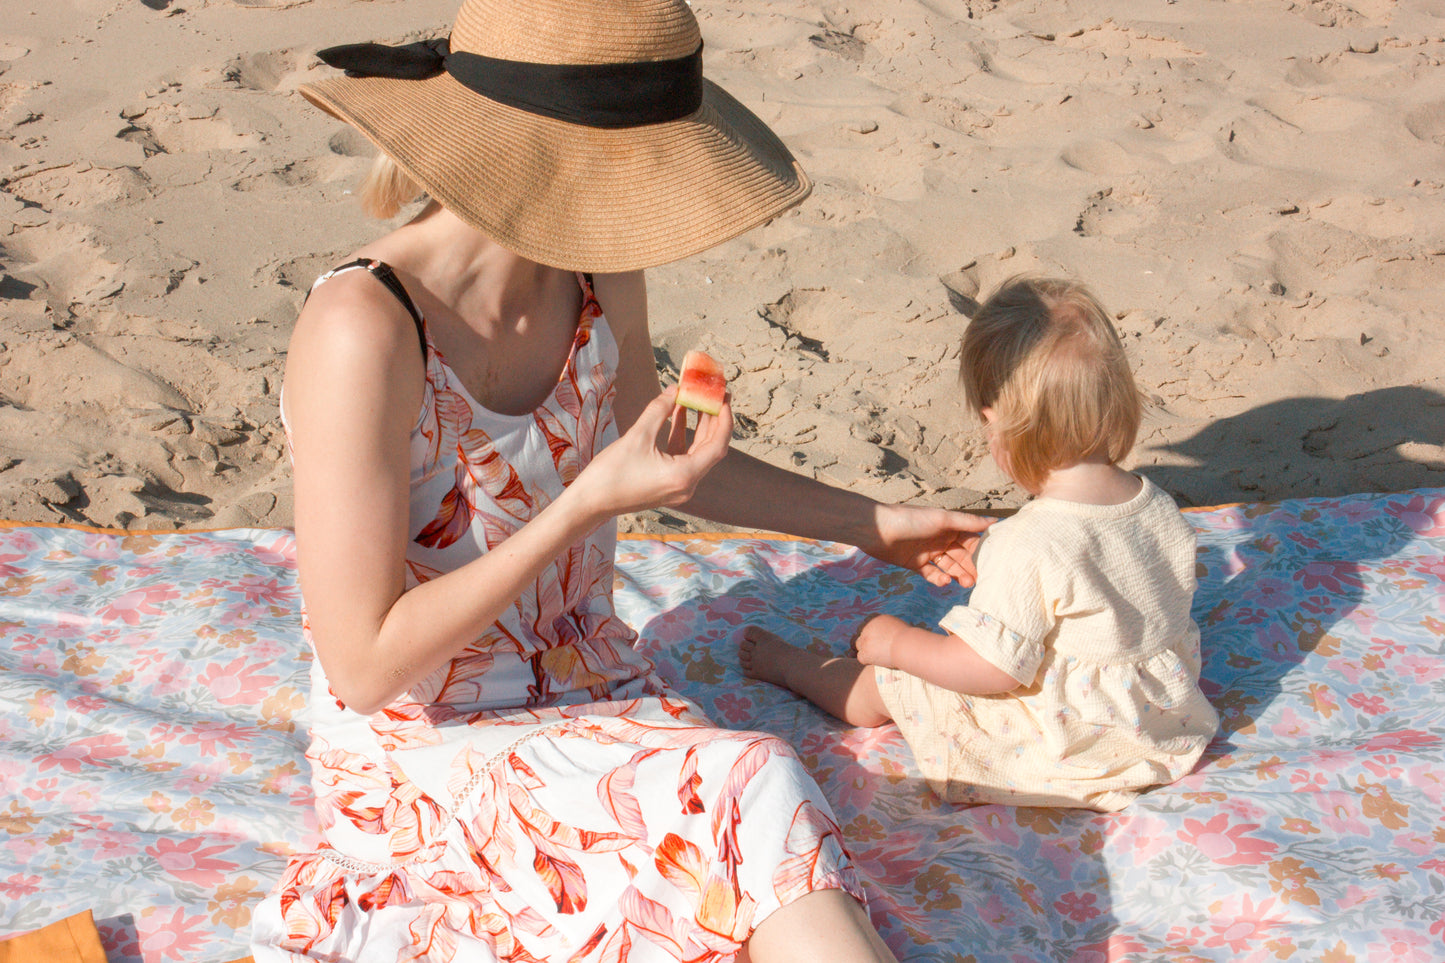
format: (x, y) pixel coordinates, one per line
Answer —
(387, 188)
(1044, 356)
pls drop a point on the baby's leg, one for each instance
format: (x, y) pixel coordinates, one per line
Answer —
(839, 685)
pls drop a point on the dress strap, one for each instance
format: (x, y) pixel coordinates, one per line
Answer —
(383, 273)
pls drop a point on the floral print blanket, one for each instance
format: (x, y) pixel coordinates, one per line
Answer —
(152, 729)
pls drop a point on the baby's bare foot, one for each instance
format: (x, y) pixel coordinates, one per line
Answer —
(767, 657)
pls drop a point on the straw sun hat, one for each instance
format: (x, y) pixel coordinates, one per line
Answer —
(577, 133)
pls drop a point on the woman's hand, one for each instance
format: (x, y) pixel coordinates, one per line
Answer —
(934, 542)
(653, 464)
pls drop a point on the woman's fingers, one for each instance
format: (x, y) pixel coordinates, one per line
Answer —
(677, 431)
(714, 434)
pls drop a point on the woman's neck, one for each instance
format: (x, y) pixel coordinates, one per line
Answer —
(1092, 483)
(462, 268)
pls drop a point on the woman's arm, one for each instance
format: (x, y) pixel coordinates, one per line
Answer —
(749, 493)
(354, 381)
(943, 659)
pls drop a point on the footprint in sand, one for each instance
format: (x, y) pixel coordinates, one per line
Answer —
(1355, 13)
(1314, 113)
(349, 142)
(269, 4)
(1427, 122)
(80, 187)
(844, 45)
(64, 262)
(170, 129)
(1099, 156)
(1339, 67)
(268, 71)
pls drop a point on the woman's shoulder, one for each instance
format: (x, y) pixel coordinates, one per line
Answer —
(353, 339)
(353, 311)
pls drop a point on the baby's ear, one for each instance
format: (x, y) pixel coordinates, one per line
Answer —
(987, 415)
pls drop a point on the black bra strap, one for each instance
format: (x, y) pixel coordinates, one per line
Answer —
(383, 273)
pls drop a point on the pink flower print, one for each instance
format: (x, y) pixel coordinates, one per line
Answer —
(1428, 566)
(1423, 669)
(1291, 726)
(120, 940)
(131, 606)
(1404, 740)
(1143, 836)
(1415, 843)
(996, 829)
(19, 885)
(42, 790)
(278, 551)
(93, 751)
(1423, 516)
(237, 683)
(854, 788)
(8, 570)
(995, 913)
(1243, 927)
(10, 767)
(1401, 946)
(106, 844)
(1351, 671)
(80, 796)
(171, 675)
(734, 708)
(1299, 538)
(269, 591)
(191, 860)
(101, 548)
(208, 737)
(1387, 647)
(178, 937)
(1078, 908)
(1225, 844)
(1338, 578)
(1241, 808)
(85, 704)
(1342, 816)
(241, 616)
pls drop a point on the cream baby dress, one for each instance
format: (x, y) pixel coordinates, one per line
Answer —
(1088, 607)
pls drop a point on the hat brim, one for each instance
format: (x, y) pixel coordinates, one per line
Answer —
(575, 197)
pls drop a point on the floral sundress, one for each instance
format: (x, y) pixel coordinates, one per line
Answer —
(542, 796)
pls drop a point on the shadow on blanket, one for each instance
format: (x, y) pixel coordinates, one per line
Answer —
(1305, 831)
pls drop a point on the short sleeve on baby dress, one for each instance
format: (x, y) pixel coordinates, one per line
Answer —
(1008, 616)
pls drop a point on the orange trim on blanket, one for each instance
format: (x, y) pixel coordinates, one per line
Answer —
(628, 536)
(97, 530)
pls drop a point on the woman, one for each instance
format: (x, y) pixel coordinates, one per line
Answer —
(499, 775)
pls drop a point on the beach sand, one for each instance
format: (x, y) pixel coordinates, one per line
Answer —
(1253, 187)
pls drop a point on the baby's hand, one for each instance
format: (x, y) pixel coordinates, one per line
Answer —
(874, 641)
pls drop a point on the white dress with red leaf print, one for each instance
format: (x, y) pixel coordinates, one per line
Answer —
(542, 796)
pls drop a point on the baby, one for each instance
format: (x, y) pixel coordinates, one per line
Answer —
(1071, 677)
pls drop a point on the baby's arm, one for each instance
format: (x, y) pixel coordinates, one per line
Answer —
(940, 658)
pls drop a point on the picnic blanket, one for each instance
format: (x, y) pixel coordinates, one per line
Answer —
(152, 729)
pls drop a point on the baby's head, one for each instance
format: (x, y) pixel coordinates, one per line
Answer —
(1043, 365)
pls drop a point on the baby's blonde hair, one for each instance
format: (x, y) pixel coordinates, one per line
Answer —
(1043, 354)
(387, 188)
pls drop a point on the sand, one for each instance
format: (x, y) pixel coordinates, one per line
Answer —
(1253, 187)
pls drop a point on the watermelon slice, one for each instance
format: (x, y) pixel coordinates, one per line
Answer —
(702, 386)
